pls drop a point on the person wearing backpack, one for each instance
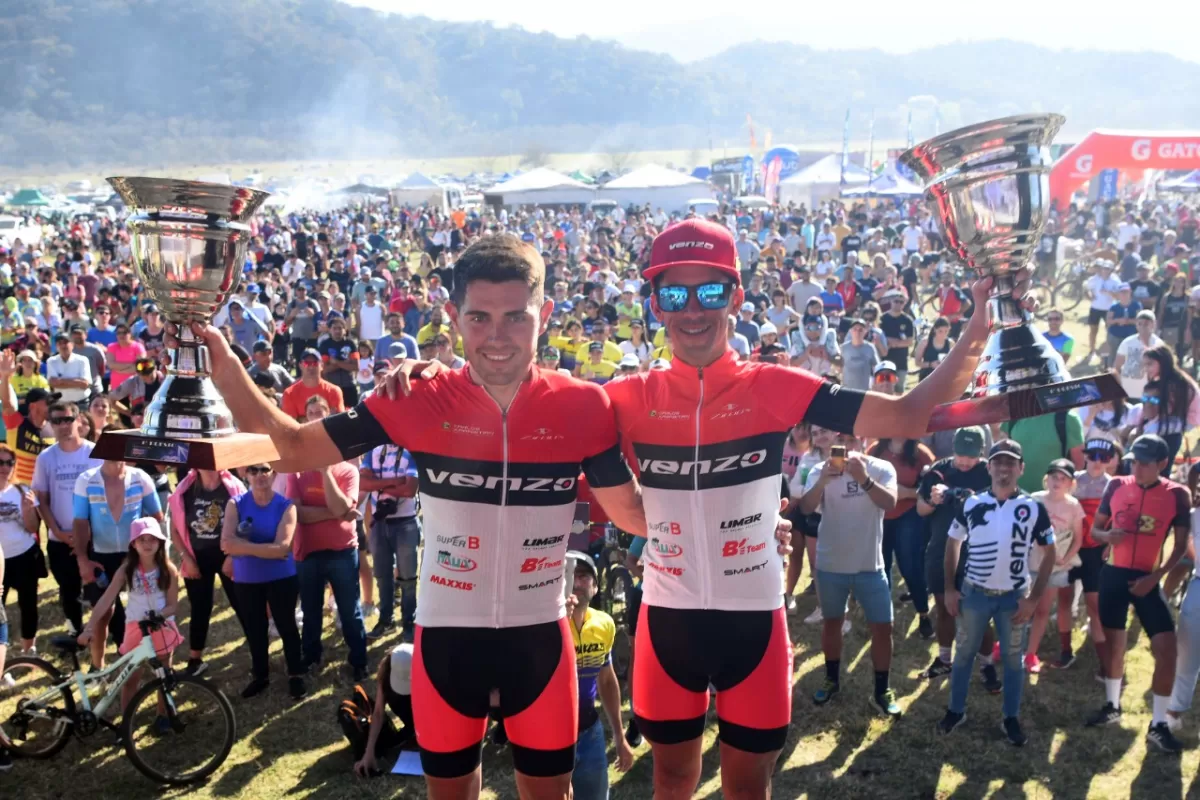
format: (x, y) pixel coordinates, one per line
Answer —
(367, 725)
(1043, 440)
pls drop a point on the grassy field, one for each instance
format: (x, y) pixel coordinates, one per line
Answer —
(295, 750)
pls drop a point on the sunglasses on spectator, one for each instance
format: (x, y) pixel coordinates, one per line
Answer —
(710, 296)
(1098, 455)
(1151, 399)
(258, 470)
(886, 377)
(61, 420)
(7, 462)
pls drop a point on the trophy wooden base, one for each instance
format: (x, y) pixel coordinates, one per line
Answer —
(1022, 403)
(223, 452)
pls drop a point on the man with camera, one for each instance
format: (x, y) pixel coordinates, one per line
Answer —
(852, 491)
(943, 489)
(390, 474)
(1004, 526)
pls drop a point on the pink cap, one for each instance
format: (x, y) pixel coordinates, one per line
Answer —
(146, 526)
(693, 242)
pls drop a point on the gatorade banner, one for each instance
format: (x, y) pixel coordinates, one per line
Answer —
(1123, 150)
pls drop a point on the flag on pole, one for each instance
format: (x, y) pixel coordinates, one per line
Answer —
(871, 151)
(845, 148)
(771, 183)
(753, 141)
(909, 138)
(767, 140)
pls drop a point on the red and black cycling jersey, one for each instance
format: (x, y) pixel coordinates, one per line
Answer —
(1145, 514)
(497, 487)
(708, 443)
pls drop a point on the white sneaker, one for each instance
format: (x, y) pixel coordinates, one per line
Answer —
(789, 603)
(815, 617)
(30, 653)
(8, 681)
(1174, 723)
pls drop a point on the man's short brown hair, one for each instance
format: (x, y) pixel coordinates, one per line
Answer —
(499, 259)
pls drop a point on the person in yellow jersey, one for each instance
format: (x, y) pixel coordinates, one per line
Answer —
(597, 368)
(438, 324)
(662, 349)
(26, 430)
(628, 309)
(601, 332)
(594, 632)
(572, 344)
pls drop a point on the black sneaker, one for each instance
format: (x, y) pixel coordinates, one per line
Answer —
(1012, 731)
(359, 673)
(827, 692)
(196, 667)
(1108, 715)
(1064, 661)
(991, 681)
(925, 628)
(937, 669)
(381, 629)
(950, 722)
(633, 736)
(1161, 737)
(255, 687)
(297, 688)
(5, 760)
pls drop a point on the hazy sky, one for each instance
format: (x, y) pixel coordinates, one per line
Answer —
(710, 27)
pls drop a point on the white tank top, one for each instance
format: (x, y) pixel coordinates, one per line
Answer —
(144, 595)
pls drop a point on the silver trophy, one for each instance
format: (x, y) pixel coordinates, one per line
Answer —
(188, 241)
(989, 185)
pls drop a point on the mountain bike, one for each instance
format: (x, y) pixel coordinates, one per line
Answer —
(616, 586)
(176, 730)
(1072, 289)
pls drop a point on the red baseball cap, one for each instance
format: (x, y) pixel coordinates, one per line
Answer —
(693, 242)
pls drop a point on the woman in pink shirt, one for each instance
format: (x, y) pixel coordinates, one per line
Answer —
(122, 356)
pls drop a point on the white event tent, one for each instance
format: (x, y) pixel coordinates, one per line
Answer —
(820, 180)
(655, 186)
(542, 186)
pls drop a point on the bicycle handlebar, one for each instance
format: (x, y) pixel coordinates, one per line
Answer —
(153, 622)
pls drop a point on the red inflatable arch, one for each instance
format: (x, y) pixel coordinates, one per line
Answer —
(1123, 150)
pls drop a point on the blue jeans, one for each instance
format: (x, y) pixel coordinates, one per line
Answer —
(338, 568)
(590, 779)
(905, 538)
(394, 548)
(975, 609)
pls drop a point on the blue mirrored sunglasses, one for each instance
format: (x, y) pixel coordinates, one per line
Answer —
(710, 296)
(1152, 400)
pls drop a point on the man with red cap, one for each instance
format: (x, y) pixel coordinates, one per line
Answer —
(710, 453)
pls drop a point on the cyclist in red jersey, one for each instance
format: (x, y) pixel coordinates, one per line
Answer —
(1134, 517)
(708, 437)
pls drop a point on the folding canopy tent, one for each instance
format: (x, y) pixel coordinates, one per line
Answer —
(542, 186)
(655, 186)
(820, 180)
(888, 185)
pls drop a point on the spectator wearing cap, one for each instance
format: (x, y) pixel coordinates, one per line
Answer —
(27, 376)
(1101, 289)
(1002, 526)
(296, 396)
(1127, 365)
(594, 634)
(636, 345)
(900, 330)
(628, 365)
(101, 331)
(150, 330)
(746, 325)
(628, 309)
(597, 368)
(264, 365)
(549, 359)
(747, 253)
(389, 477)
(396, 335)
(600, 333)
(1119, 321)
(139, 389)
(247, 328)
(69, 373)
(94, 353)
(122, 355)
(859, 357)
(1102, 456)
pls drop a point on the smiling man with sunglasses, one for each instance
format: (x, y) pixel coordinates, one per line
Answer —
(708, 436)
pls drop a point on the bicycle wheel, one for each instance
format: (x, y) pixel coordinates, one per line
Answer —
(618, 585)
(37, 718)
(195, 741)
(622, 653)
(1068, 294)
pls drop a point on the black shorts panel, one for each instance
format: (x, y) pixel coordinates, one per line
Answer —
(1088, 572)
(1115, 600)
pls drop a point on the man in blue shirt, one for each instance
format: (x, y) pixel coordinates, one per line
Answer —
(1062, 341)
(1121, 322)
(395, 335)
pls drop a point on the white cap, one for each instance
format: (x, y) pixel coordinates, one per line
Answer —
(401, 677)
(748, 308)
(629, 360)
(884, 366)
(660, 363)
(767, 327)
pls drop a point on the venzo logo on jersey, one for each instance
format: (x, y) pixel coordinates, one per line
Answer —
(704, 466)
(470, 480)
(741, 547)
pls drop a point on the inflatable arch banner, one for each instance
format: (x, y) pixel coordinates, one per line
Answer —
(1123, 150)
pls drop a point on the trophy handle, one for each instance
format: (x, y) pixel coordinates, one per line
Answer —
(191, 358)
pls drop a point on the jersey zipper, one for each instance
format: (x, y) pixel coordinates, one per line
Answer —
(501, 531)
(700, 541)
